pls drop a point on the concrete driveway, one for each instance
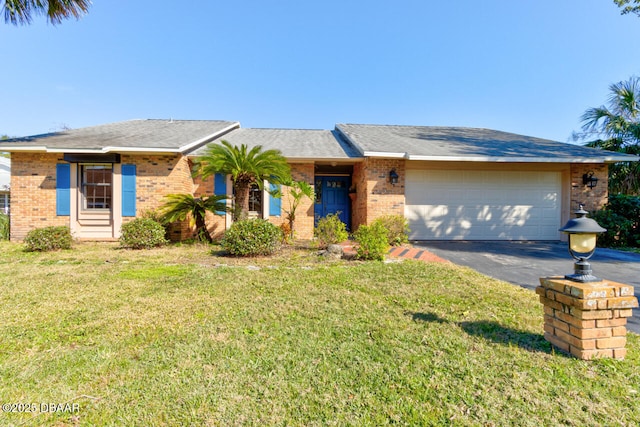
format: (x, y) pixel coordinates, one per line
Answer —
(523, 263)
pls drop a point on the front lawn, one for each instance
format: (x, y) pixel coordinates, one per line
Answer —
(178, 336)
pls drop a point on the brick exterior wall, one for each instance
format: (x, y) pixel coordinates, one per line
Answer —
(157, 176)
(375, 195)
(216, 224)
(304, 222)
(33, 193)
(592, 198)
(358, 199)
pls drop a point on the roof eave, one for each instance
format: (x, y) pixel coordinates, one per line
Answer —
(293, 159)
(35, 149)
(324, 159)
(616, 159)
(387, 155)
(105, 150)
(488, 159)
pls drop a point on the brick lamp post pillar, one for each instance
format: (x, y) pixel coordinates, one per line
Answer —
(586, 320)
(584, 315)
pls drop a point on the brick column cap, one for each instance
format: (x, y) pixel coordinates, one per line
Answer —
(592, 290)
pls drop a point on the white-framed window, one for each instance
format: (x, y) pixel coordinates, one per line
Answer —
(4, 203)
(96, 183)
(256, 201)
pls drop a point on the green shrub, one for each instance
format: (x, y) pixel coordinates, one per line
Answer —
(156, 215)
(153, 214)
(330, 230)
(372, 241)
(619, 232)
(48, 239)
(621, 217)
(4, 226)
(397, 228)
(142, 233)
(252, 237)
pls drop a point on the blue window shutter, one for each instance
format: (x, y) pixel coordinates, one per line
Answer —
(63, 189)
(128, 190)
(275, 203)
(220, 187)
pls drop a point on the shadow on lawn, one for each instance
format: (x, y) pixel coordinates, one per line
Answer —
(500, 334)
(492, 331)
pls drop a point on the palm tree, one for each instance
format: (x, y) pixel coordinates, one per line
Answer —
(21, 11)
(178, 206)
(617, 127)
(297, 191)
(246, 168)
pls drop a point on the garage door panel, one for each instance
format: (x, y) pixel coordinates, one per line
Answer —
(483, 205)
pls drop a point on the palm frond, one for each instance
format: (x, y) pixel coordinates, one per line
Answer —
(22, 11)
(616, 127)
(246, 166)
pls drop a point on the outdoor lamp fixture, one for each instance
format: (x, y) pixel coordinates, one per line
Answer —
(589, 180)
(393, 177)
(582, 233)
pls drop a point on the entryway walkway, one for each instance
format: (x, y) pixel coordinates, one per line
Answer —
(411, 252)
(404, 251)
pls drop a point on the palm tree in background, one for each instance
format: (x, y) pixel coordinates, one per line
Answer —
(628, 6)
(297, 191)
(180, 206)
(246, 168)
(617, 127)
(22, 11)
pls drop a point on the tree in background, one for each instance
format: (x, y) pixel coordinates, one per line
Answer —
(3, 154)
(617, 128)
(22, 11)
(246, 168)
(180, 206)
(629, 6)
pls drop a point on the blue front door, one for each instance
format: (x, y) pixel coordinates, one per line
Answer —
(332, 197)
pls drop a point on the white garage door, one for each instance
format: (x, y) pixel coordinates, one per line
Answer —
(483, 205)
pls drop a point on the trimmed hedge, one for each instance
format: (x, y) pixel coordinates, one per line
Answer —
(48, 239)
(251, 237)
(142, 233)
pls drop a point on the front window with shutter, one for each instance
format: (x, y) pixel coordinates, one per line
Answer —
(96, 184)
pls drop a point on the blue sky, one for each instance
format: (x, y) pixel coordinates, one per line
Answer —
(525, 66)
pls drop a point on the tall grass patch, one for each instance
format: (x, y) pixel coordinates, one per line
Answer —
(4, 226)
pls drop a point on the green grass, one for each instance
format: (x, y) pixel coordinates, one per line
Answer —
(180, 336)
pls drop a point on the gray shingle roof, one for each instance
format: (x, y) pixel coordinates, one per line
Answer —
(467, 144)
(293, 143)
(347, 141)
(132, 135)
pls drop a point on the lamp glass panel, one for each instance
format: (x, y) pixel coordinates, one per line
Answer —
(582, 243)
